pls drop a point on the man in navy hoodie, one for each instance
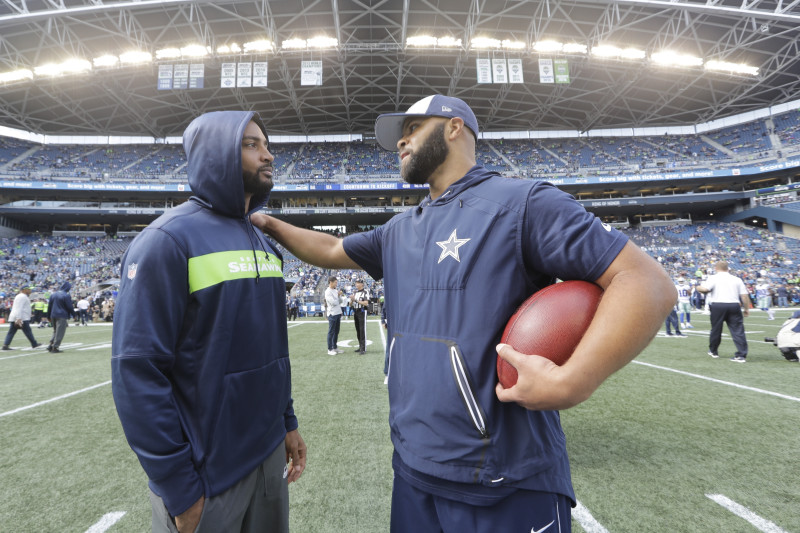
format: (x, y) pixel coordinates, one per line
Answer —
(200, 356)
(59, 310)
(471, 455)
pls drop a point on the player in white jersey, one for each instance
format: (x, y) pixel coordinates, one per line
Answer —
(684, 303)
(764, 298)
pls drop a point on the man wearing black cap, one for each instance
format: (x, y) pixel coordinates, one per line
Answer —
(359, 301)
(471, 455)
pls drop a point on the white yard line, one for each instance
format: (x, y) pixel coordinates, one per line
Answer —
(108, 520)
(713, 380)
(762, 524)
(586, 520)
(63, 396)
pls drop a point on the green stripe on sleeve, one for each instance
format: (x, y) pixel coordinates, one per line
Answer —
(212, 269)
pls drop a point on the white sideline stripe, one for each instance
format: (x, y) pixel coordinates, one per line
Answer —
(586, 520)
(762, 524)
(95, 347)
(108, 520)
(698, 376)
(37, 404)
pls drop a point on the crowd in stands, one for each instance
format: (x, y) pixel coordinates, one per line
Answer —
(688, 251)
(319, 161)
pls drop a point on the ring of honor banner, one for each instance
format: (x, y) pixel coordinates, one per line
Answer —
(244, 74)
(484, 68)
(227, 77)
(311, 73)
(260, 74)
(164, 77)
(196, 74)
(180, 76)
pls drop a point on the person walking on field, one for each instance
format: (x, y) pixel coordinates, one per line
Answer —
(20, 319)
(59, 310)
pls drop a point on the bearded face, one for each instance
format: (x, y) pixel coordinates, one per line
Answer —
(424, 161)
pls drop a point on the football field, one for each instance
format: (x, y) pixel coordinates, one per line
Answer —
(674, 442)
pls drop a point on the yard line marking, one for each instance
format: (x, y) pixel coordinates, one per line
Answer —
(762, 524)
(37, 404)
(586, 520)
(698, 376)
(95, 346)
(31, 352)
(108, 520)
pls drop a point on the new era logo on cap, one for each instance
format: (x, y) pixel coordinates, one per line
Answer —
(389, 127)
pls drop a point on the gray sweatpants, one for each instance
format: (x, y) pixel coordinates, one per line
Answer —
(59, 328)
(258, 503)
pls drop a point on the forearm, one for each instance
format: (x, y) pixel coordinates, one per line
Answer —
(310, 246)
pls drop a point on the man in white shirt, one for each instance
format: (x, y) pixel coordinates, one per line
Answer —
(334, 312)
(83, 310)
(20, 318)
(725, 295)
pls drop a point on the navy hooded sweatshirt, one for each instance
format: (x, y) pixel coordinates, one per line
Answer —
(60, 303)
(200, 357)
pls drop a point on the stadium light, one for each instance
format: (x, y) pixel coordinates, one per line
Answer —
(547, 46)
(293, 44)
(484, 43)
(607, 50)
(734, 68)
(448, 42)
(105, 61)
(262, 45)
(669, 58)
(70, 66)
(135, 57)
(232, 48)
(322, 42)
(168, 53)
(575, 48)
(16, 75)
(194, 50)
(421, 40)
(512, 45)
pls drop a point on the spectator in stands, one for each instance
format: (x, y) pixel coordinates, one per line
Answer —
(59, 311)
(200, 356)
(20, 318)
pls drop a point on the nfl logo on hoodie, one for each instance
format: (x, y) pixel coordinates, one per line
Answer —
(132, 270)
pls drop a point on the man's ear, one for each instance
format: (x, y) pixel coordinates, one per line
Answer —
(455, 127)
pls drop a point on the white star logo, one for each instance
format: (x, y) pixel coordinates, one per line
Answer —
(450, 247)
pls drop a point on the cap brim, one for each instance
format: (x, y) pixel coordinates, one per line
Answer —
(389, 129)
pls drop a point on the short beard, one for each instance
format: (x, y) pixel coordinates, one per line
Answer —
(430, 156)
(254, 186)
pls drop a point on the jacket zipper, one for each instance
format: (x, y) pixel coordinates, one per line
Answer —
(465, 389)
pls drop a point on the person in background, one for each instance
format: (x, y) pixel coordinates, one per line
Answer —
(334, 313)
(20, 318)
(726, 295)
(59, 310)
(83, 310)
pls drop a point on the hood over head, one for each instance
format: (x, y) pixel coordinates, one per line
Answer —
(66, 286)
(213, 146)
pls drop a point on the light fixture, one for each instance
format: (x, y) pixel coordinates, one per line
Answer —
(421, 40)
(547, 46)
(734, 68)
(232, 48)
(512, 45)
(608, 50)
(670, 58)
(194, 50)
(106, 60)
(135, 56)
(575, 48)
(168, 53)
(70, 66)
(448, 42)
(262, 45)
(485, 43)
(16, 75)
(293, 44)
(321, 41)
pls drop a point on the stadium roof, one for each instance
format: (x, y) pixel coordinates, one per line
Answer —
(372, 71)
